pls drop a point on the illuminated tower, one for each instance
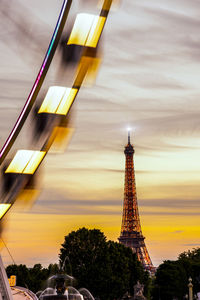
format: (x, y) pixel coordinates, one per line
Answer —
(131, 233)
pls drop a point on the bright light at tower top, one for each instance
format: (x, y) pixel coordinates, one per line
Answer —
(129, 134)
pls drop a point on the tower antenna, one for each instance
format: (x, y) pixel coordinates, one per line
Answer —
(129, 136)
(129, 139)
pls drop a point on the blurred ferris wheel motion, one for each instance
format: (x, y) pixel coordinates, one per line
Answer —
(75, 41)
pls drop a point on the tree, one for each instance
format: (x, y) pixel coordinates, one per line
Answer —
(107, 269)
(172, 276)
(38, 276)
(190, 260)
(193, 254)
(53, 269)
(170, 282)
(34, 278)
(21, 272)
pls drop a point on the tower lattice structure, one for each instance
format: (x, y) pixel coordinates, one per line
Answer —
(131, 233)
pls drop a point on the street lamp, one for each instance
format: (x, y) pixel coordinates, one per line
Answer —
(190, 286)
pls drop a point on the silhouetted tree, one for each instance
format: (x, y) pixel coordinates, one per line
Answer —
(21, 272)
(190, 260)
(53, 269)
(32, 278)
(38, 276)
(172, 276)
(107, 269)
(171, 281)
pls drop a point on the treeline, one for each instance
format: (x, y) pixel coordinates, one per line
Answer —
(110, 270)
(33, 278)
(171, 281)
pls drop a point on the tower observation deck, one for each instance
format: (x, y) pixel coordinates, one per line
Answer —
(131, 233)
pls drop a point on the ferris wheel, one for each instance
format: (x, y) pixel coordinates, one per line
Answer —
(50, 106)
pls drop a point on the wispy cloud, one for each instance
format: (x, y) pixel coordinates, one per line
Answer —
(192, 245)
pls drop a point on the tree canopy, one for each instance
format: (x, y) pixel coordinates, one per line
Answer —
(106, 268)
(33, 278)
(172, 276)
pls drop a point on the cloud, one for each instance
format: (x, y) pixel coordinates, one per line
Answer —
(192, 245)
(171, 203)
(55, 202)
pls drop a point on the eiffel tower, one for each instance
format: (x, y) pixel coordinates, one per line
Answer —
(131, 233)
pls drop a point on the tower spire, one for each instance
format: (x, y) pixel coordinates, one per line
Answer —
(129, 136)
(131, 232)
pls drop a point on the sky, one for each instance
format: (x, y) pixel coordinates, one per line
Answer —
(149, 81)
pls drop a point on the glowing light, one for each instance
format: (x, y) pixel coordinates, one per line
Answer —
(34, 162)
(81, 29)
(58, 100)
(95, 31)
(66, 102)
(3, 209)
(86, 30)
(25, 162)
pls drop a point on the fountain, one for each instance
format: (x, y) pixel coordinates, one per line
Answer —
(86, 294)
(58, 289)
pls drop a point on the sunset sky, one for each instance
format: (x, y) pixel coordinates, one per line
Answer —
(149, 81)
